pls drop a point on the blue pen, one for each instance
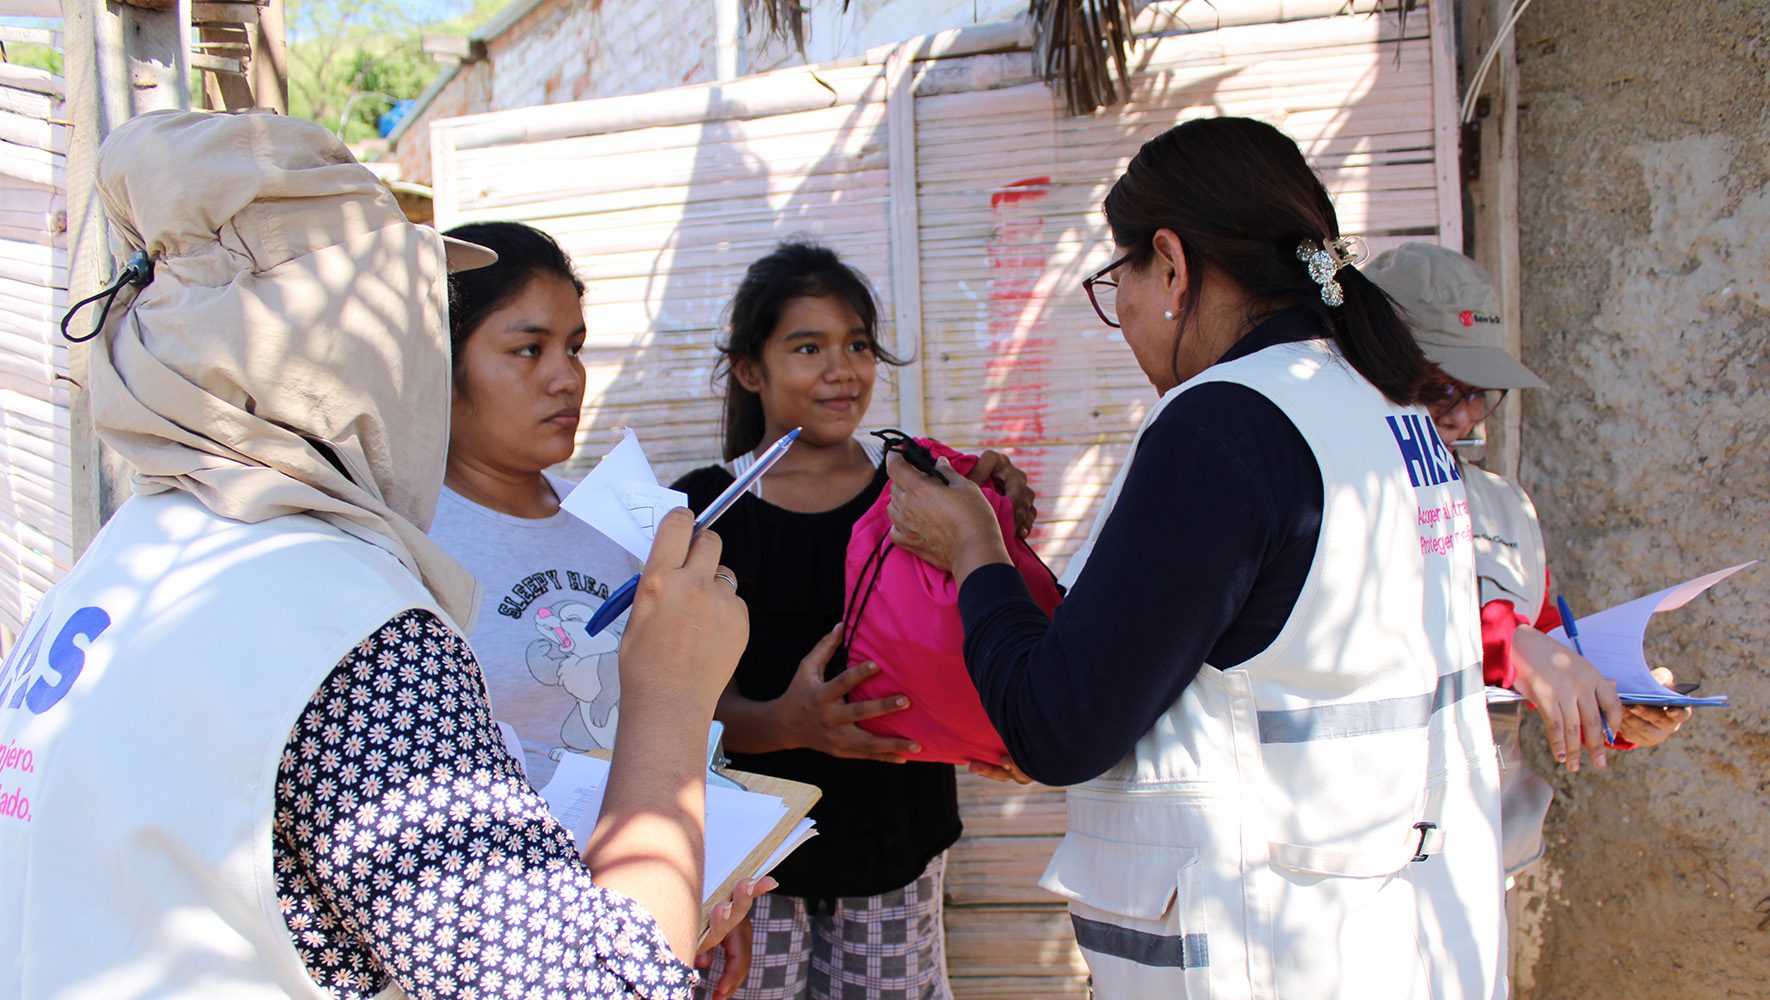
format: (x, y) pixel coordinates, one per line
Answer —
(622, 598)
(1572, 629)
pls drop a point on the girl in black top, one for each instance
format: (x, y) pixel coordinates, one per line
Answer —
(803, 353)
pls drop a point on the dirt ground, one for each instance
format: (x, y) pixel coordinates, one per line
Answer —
(1645, 217)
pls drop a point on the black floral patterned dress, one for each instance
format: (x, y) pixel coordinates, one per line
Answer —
(410, 851)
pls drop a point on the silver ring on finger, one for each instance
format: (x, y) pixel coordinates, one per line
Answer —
(728, 578)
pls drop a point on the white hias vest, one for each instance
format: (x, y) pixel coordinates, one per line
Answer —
(144, 709)
(1511, 565)
(1320, 821)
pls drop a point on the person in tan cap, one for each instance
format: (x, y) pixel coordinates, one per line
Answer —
(252, 751)
(1456, 317)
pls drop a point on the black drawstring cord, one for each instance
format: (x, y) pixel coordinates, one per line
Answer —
(138, 272)
(919, 457)
(857, 601)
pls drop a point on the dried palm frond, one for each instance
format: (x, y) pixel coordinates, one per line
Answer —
(1079, 46)
(785, 19)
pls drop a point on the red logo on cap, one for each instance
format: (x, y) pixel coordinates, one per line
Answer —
(1466, 317)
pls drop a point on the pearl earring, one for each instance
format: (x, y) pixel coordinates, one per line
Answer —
(1167, 314)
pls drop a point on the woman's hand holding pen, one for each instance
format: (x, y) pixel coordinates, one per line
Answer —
(688, 626)
(816, 714)
(951, 526)
(681, 644)
(1568, 692)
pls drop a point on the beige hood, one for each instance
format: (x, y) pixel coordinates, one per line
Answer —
(292, 308)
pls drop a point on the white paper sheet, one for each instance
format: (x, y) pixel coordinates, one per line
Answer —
(736, 820)
(622, 499)
(1612, 639)
(574, 796)
(804, 830)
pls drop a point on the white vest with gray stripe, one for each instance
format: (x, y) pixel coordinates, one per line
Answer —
(155, 688)
(1511, 565)
(1321, 821)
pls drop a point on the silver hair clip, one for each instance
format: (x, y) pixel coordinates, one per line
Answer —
(1325, 260)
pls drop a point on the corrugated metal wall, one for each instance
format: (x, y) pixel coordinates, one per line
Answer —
(36, 528)
(662, 220)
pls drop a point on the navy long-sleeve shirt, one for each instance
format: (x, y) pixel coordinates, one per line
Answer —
(1201, 560)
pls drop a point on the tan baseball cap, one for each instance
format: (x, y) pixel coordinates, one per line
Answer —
(464, 256)
(1455, 314)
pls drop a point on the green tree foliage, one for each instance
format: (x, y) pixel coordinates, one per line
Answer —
(350, 60)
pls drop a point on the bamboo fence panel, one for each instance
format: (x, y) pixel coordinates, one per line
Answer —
(1010, 189)
(661, 223)
(36, 495)
(661, 220)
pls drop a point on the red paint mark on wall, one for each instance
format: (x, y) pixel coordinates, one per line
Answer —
(1017, 372)
(1031, 189)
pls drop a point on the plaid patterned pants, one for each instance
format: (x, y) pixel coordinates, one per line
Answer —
(886, 947)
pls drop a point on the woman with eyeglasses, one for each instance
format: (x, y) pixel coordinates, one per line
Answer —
(1264, 681)
(1456, 318)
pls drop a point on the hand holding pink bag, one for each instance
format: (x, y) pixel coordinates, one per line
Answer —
(902, 613)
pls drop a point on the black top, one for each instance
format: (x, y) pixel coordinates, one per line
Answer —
(1201, 561)
(878, 824)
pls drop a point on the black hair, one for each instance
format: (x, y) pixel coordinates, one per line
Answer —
(524, 254)
(1241, 197)
(795, 269)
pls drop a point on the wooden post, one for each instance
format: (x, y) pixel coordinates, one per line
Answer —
(120, 60)
(1490, 159)
(241, 54)
(1490, 183)
(270, 62)
(906, 260)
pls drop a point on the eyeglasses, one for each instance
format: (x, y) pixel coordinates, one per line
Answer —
(1103, 292)
(1482, 401)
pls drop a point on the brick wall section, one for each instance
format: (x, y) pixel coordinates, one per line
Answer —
(568, 50)
(468, 93)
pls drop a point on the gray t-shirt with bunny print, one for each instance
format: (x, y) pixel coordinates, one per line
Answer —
(541, 579)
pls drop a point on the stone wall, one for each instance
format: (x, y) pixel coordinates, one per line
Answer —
(1645, 224)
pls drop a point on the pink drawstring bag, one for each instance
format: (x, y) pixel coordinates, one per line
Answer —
(903, 614)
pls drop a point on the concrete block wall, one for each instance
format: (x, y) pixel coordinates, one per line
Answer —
(1644, 169)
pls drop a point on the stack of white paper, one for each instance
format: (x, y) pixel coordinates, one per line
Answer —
(737, 820)
(1612, 639)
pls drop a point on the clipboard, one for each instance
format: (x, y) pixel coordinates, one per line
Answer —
(797, 796)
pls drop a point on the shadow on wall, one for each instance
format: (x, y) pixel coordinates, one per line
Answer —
(660, 269)
(662, 222)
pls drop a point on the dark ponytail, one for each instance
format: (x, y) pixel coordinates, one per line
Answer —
(794, 270)
(1241, 198)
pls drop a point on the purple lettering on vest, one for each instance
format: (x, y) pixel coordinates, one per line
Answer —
(1442, 453)
(66, 658)
(1408, 441)
(1423, 433)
